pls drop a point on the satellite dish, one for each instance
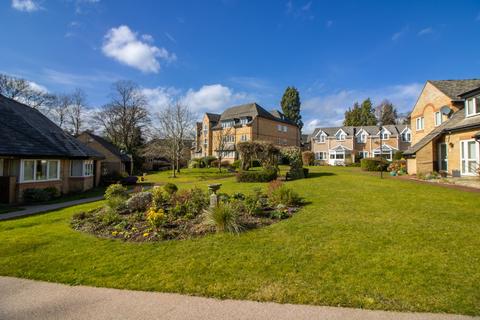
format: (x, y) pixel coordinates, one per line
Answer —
(445, 110)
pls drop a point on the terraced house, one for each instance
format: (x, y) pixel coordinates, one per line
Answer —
(446, 129)
(219, 133)
(344, 145)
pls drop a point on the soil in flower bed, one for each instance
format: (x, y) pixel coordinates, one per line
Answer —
(135, 227)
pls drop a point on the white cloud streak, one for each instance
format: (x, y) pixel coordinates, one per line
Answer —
(124, 45)
(25, 5)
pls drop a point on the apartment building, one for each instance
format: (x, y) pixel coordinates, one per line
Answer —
(219, 133)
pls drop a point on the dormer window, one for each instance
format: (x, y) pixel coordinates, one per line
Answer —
(340, 136)
(472, 106)
(406, 135)
(384, 134)
(228, 123)
(361, 136)
(243, 121)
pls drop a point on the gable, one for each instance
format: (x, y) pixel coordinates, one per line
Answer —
(430, 98)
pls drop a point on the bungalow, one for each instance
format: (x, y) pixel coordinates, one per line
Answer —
(35, 154)
(347, 144)
(446, 135)
(116, 161)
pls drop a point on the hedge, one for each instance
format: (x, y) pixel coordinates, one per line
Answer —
(264, 175)
(374, 164)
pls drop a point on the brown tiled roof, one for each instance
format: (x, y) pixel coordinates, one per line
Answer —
(351, 130)
(109, 146)
(453, 88)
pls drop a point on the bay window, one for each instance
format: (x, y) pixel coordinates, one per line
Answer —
(81, 168)
(39, 170)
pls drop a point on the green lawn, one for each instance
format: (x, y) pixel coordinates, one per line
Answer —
(360, 242)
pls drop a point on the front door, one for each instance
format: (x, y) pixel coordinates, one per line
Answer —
(442, 157)
(469, 157)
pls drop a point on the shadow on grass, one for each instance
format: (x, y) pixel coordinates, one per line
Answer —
(320, 174)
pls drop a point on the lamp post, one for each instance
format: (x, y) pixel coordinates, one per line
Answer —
(381, 151)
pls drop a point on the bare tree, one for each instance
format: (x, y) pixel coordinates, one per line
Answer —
(23, 91)
(223, 139)
(76, 111)
(59, 108)
(124, 119)
(176, 125)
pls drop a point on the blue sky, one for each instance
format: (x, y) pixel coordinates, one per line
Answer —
(215, 54)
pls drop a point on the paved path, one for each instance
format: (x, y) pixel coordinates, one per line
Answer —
(27, 299)
(29, 210)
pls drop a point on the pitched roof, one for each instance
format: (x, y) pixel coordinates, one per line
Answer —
(251, 110)
(350, 130)
(213, 117)
(109, 146)
(26, 132)
(457, 121)
(453, 88)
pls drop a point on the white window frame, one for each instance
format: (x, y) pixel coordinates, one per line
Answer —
(228, 124)
(22, 170)
(279, 127)
(321, 155)
(362, 137)
(320, 137)
(342, 136)
(244, 121)
(437, 117)
(285, 129)
(380, 152)
(363, 154)
(476, 108)
(420, 123)
(244, 138)
(86, 172)
(404, 134)
(463, 156)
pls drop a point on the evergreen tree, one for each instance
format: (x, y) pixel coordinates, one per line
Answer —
(291, 106)
(352, 116)
(388, 113)
(367, 114)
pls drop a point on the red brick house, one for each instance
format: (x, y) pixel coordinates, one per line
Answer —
(36, 153)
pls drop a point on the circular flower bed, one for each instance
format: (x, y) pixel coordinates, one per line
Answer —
(166, 213)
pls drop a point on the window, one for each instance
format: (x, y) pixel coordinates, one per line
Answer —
(469, 157)
(226, 154)
(285, 128)
(340, 136)
(81, 168)
(321, 155)
(321, 138)
(228, 123)
(406, 136)
(229, 138)
(472, 106)
(244, 138)
(438, 118)
(279, 128)
(363, 154)
(243, 121)
(39, 170)
(420, 123)
(362, 138)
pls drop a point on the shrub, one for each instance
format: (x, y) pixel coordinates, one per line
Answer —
(52, 192)
(189, 203)
(284, 196)
(374, 164)
(128, 181)
(170, 188)
(264, 175)
(214, 163)
(236, 164)
(110, 216)
(139, 201)
(305, 172)
(117, 203)
(224, 218)
(398, 166)
(156, 217)
(256, 164)
(36, 195)
(207, 161)
(398, 155)
(354, 164)
(159, 197)
(115, 190)
(308, 157)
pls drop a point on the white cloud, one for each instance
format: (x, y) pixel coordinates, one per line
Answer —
(71, 79)
(328, 110)
(160, 97)
(25, 5)
(397, 35)
(38, 87)
(213, 97)
(123, 45)
(425, 31)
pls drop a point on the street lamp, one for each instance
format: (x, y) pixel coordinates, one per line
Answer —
(381, 151)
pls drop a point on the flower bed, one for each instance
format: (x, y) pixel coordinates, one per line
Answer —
(166, 214)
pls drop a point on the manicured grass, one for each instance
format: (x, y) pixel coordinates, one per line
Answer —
(360, 242)
(188, 176)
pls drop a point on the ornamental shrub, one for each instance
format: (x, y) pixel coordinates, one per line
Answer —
(224, 218)
(308, 157)
(36, 195)
(139, 201)
(207, 161)
(236, 164)
(170, 188)
(264, 175)
(398, 155)
(115, 190)
(159, 197)
(155, 217)
(282, 195)
(374, 164)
